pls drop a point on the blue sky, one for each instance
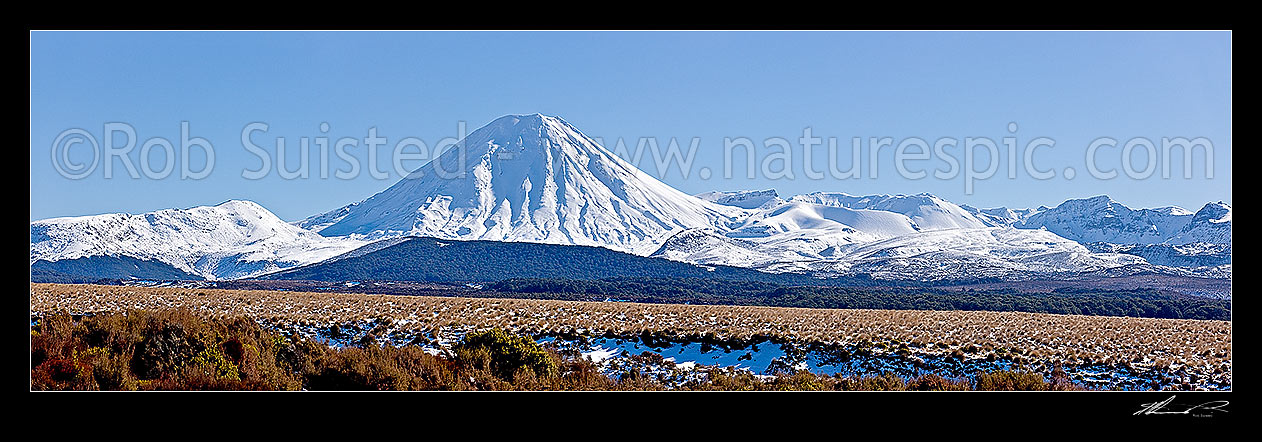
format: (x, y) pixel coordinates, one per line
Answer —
(1071, 87)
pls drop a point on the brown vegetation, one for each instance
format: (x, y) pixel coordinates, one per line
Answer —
(1203, 345)
(174, 349)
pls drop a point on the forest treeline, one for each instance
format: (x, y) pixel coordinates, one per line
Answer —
(1094, 302)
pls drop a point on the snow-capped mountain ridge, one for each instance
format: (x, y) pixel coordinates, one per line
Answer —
(927, 211)
(946, 254)
(233, 239)
(1000, 216)
(745, 199)
(888, 235)
(1101, 219)
(1211, 224)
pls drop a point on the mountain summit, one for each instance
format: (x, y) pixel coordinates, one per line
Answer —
(532, 178)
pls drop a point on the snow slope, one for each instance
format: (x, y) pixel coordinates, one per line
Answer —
(1211, 224)
(234, 239)
(926, 211)
(745, 199)
(986, 252)
(856, 225)
(1193, 255)
(999, 216)
(947, 254)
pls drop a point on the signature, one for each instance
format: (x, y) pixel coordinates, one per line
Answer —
(1203, 409)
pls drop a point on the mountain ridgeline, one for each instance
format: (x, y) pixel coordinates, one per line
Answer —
(93, 268)
(230, 240)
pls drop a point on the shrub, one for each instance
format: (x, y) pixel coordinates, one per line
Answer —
(885, 382)
(212, 362)
(1061, 381)
(583, 374)
(504, 353)
(1008, 380)
(800, 381)
(169, 349)
(63, 374)
(727, 379)
(111, 371)
(933, 382)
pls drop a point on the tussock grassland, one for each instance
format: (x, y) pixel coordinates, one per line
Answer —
(1141, 342)
(175, 349)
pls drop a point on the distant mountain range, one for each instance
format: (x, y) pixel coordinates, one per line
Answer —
(924, 237)
(1100, 219)
(537, 179)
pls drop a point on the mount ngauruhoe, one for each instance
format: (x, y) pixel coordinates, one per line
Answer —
(530, 178)
(537, 179)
